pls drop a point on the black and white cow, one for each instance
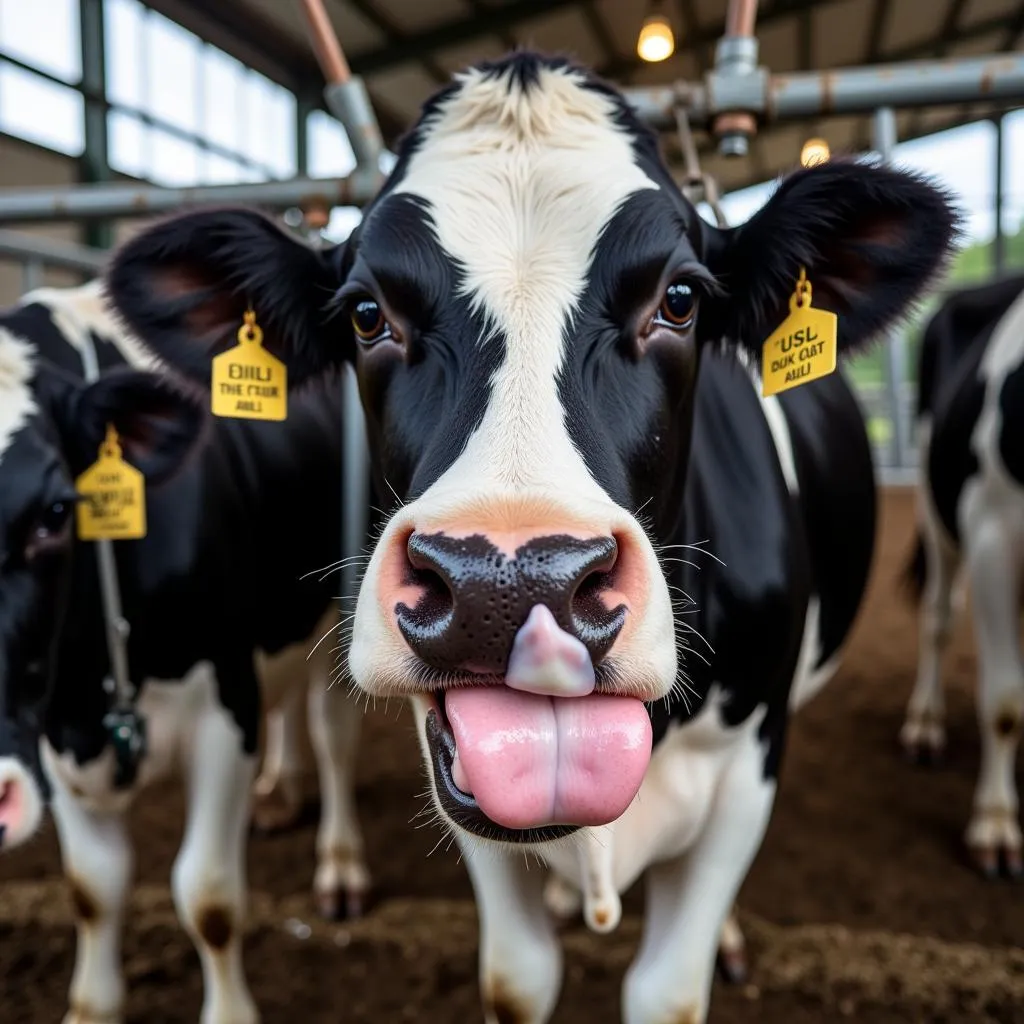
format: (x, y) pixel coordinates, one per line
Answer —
(971, 513)
(221, 620)
(597, 548)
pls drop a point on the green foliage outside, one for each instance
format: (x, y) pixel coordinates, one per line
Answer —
(974, 263)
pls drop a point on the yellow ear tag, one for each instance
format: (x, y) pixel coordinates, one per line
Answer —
(113, 505)
(803, 348)
(248, 382)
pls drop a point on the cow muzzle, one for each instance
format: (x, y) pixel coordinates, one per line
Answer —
(528, 735)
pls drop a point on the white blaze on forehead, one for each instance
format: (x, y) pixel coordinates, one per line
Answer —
(16, 401)
(521, 183)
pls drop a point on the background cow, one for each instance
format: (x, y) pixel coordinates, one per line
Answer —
(596, 547)
(218, 609)
(971, 512)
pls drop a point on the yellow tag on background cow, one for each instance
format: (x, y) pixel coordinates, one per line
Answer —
(803, 348)
(113, 505)
(248, 382)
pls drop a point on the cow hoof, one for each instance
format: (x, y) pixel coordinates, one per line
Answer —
(994, 862)
(994, 842)
(732, 966)
(83, 1015)
(343, 904)
(923, 742)
(277, 806)
(564, 901)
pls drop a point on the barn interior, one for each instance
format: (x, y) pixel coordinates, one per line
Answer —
(861, 905)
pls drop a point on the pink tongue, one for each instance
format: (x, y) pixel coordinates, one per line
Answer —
(532, 760)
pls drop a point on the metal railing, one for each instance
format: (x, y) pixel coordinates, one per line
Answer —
(34, 254)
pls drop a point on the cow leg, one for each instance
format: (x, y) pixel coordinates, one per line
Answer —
(923, 735)
(209, 873)
(97, 858)
(520, 958)
(280, 789)
(994, 831)
(342, 881)
(732, 951)
(689, 898)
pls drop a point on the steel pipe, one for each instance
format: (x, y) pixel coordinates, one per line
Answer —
(998, 77)
(345, 94)
(38, 252)
(884, 138)
(87, 202)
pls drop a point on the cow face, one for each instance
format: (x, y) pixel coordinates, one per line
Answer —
(526, 304)
(51, 427)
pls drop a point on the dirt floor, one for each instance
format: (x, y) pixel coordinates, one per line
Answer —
(860, 906)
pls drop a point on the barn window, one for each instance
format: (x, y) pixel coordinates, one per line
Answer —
(184, 112)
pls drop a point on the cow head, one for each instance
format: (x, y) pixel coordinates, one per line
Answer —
(526, 304)
(51, 427)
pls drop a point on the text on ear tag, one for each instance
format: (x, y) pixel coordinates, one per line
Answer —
(248, 382)
(803, 348)
(113, 505)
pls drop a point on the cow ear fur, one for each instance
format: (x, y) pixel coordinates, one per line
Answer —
(871, 239)
(184, 285)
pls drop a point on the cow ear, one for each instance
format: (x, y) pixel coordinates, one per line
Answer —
(184, 285)
(158, 424)
(871, 240)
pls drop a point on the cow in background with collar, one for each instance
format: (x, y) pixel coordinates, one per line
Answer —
(606, 539)
(224, 618)
(971, 516)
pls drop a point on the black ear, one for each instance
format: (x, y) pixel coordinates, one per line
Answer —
(158, 424)
(184, 285)
(871, 239)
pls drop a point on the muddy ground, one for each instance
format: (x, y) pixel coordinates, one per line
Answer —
(860, 906)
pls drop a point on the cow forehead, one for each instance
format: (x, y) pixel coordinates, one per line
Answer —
(16, 400)
(520, 179)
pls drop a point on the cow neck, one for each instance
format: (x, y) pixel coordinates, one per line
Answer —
(122, 722)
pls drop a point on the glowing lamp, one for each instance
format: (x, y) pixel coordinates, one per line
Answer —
(656, 41)
(814, 152)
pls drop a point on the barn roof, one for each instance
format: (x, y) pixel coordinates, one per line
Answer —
(406, 48)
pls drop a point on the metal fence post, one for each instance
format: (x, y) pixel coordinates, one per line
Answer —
(884, 133)
(31, 275)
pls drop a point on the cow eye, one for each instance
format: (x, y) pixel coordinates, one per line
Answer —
(678, 306)
(53, 519)
(50, 528)
(369, 322)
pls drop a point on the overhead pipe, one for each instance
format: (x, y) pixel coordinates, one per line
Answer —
(856, 90)
(101, 201)
(345, 93)
(736, 57)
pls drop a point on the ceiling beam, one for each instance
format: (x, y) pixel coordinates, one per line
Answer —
(396, 37)
(597, 25)
(508, 40)
(879, 19)
(691, 29)
(452, 33)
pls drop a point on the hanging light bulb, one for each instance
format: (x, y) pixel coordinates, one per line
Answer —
(814, 152)
(656, 41)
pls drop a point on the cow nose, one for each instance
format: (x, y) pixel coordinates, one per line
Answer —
(473, 598)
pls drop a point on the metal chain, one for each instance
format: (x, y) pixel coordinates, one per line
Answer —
(122, 722)
(697, 186)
